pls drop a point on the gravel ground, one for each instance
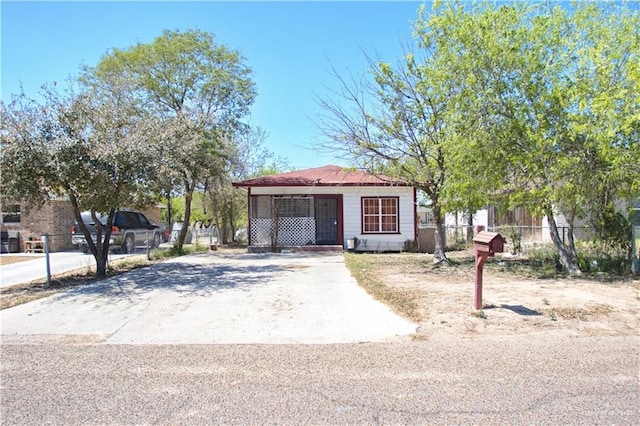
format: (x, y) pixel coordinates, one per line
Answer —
(586, 380)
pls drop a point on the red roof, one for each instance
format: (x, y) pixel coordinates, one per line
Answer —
(323, 176)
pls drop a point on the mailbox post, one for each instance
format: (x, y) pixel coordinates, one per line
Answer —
(485, 244)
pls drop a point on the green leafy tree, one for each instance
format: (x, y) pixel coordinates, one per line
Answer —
(552, 98)
(94, 147)
(250, 159)
(202, 89)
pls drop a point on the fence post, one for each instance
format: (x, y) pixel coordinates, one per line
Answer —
(635, 249)
(45, 241)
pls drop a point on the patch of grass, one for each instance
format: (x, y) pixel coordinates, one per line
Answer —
(529, 268)
(364, 268)
(580, 314)
(478, 314)
(162, 253)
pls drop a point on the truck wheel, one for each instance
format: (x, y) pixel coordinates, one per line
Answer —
(128, 245)
(84, 248)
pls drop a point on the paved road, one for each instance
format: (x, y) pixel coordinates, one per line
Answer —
(205, 298)
(582, 381)
(98, 355)
(35, 269)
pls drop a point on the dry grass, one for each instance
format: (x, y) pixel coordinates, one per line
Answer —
(366, 269)
(525, 297)
(580, 314)
(27, 292)
(8, 259)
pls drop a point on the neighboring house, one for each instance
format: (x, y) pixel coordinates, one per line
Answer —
(54, 218)
(329, 207)
(530, 228)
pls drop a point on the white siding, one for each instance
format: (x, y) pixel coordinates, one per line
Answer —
(351, 204)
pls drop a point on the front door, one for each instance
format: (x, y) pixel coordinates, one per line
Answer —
(326, 212)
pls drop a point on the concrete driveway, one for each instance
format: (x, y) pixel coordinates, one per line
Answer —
(211, 298)
(36, 267)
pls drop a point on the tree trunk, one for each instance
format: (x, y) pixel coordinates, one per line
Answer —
(569, 260)
(470, 226)
(439, 250)
(102, 263)
(232, 222)
(571, 241)
(169, 213)
(188, 197)
(224, 230)
(100, 248)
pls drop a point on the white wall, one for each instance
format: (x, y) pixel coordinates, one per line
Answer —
(351, 204)
(480, 217)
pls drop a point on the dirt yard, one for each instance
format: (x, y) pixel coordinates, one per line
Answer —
(441, 298)
(7, 259)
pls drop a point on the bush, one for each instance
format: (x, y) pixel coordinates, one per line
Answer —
(543, 253)
(410, 246)
(515, 237)
(601, 256)
(175, 252)
(593, 257)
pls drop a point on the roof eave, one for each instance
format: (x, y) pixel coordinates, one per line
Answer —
(350, 184)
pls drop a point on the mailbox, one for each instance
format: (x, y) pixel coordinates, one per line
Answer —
(485, 244)
(489, 243)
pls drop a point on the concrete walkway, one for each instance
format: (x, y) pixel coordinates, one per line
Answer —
(210, 298)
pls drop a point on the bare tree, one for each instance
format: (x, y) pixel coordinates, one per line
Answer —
(393, 124)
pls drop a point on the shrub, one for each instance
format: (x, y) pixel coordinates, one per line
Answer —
(601, 256)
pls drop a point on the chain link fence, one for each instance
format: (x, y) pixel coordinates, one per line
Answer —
(458, 236)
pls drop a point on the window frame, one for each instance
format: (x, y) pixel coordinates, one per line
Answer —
(292, 206)
(13, 215)
(380, 215)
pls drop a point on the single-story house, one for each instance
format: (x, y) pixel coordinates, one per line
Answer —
(329, 207)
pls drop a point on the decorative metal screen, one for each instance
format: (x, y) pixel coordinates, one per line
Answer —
(261, 229)
(297, 231)
(293, 231)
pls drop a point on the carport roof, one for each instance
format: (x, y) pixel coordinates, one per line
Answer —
(322, 176)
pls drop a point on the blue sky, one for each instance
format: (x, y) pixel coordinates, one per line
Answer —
(289, 45)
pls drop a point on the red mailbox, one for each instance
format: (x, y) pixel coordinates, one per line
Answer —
(488, 242)
(485, 244)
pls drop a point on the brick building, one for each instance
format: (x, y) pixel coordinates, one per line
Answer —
(54, 218)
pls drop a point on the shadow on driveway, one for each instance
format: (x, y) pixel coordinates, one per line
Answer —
(179, 277)
(216, 299)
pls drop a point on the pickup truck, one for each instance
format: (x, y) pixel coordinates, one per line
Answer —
(130, 229)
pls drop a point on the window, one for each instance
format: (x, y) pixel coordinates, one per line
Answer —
(293, 207)
(266, 206)
(380, 215)
(12, 214)
(260, 206)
